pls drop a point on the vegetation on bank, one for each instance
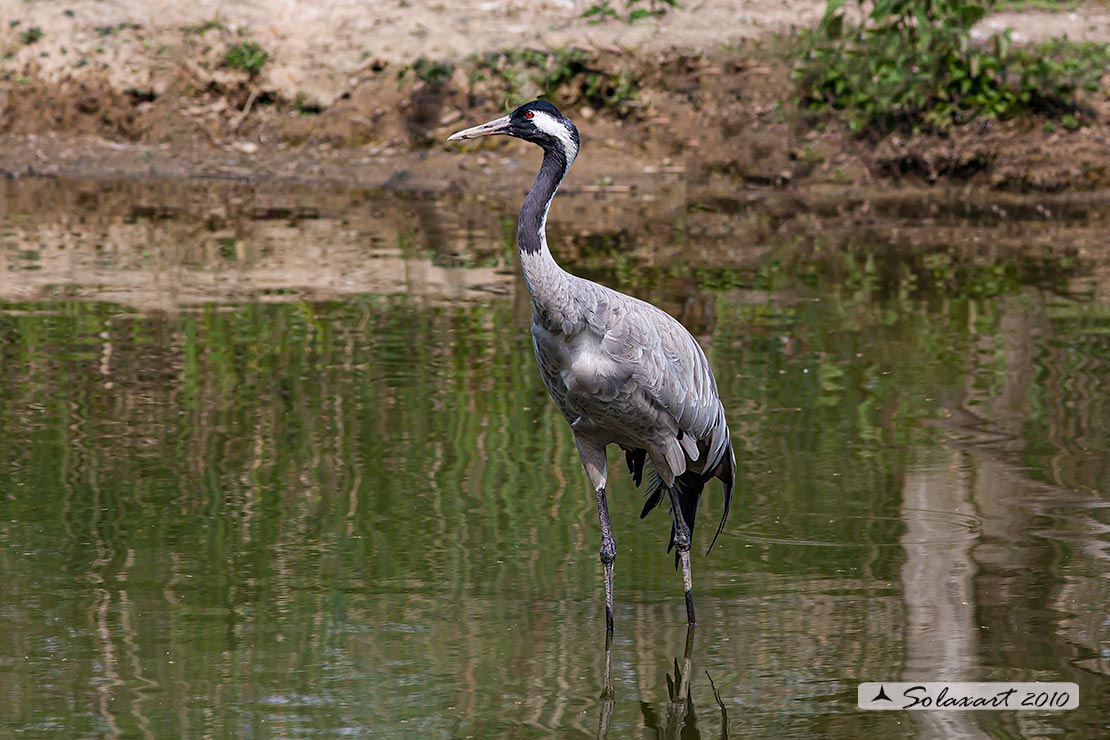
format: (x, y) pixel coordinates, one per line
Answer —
(914, 65)
(247, 57)
(764, 112)
(634, 10)
(511, 76)
(880, 66)
(517, 74)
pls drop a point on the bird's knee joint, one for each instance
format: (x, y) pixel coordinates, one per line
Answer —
(682, 541)
(608, 552)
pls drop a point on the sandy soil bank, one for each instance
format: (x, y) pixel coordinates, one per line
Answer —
(321, 48)
(139, 88)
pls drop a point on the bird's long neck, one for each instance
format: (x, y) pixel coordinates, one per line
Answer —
(544, 276)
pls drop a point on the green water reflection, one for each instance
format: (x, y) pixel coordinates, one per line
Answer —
(362, 517)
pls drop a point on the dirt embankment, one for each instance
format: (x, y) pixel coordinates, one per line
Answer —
(337, 90)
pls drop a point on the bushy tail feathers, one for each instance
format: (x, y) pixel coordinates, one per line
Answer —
(689, 487)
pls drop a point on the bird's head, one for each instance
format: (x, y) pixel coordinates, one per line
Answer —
(539, 122)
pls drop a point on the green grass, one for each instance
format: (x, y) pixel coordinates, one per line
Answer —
(31, 35)
(248, 57)
(634, 10)
(432, 72)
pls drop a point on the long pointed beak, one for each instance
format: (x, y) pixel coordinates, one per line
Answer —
(493, 128)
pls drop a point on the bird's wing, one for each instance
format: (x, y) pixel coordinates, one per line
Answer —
(670, 368)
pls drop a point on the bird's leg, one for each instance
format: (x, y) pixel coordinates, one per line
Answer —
(682, 544)
(608, 555)
(597, 470)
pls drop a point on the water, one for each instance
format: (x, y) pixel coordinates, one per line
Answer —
(278, 464)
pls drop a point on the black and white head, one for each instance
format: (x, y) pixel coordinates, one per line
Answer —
(539, 122)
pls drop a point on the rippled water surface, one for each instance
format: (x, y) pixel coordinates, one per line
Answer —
(279, 465)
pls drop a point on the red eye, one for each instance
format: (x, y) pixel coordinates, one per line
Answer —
(529, 114)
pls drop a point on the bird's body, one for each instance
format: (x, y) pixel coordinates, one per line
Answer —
(624, 372)
(620, 370)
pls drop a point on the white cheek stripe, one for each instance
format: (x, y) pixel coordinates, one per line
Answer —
(549, 125)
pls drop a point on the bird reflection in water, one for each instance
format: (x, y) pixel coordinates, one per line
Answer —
(677, 719)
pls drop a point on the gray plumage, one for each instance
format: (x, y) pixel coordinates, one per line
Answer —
(620, 370)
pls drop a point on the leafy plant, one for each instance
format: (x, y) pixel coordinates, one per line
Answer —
(248, 56)
(634, 10)
(655, 9)
(524, 72)
(432, 72)
(911, 64)
(213, 24)
(111, 29)
(31, 35)
(599, 12)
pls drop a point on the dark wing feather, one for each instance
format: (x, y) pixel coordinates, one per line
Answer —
(635, 460)
(726, 471)
(654, 494)
(689, 487)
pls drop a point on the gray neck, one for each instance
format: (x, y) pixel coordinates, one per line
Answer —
(544, 276)
(530, 236)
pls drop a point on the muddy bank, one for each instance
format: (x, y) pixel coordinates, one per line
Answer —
(121, 90)
(715, 116)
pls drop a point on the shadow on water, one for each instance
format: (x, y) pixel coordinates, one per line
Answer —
(278, 464)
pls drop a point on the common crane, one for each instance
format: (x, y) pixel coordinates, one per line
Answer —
(621, 370)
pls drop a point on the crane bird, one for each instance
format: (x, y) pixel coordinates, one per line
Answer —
(621, 370)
